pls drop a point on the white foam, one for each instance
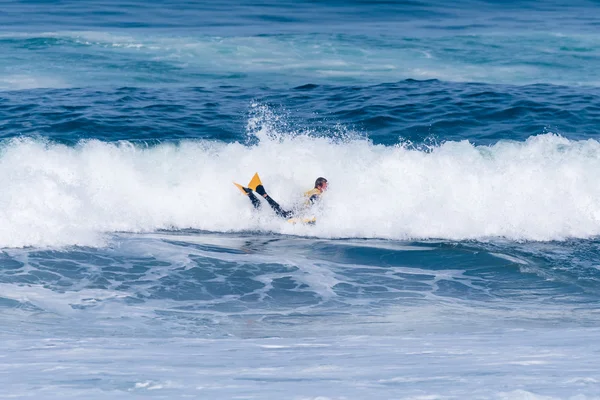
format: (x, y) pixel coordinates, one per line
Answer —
(513, 259)
(30, 81)
(376, 366)
(523, 395)
(54, 302)
(541, 189)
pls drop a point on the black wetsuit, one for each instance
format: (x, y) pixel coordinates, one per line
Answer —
(312, 196)
(274, 205)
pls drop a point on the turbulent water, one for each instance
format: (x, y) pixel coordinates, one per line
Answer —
(456, 252)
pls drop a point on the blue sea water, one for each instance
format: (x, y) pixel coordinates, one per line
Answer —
(456, 253)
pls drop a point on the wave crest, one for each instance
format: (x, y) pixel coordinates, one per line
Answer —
(545, 188)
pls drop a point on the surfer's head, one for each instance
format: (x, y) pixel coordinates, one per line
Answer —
(321, 184)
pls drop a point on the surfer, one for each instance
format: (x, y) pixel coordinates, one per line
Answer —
(256, 185)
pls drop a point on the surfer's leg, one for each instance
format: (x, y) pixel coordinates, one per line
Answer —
(277, 208)
(254, 200)
(274, 205)
(248, 192)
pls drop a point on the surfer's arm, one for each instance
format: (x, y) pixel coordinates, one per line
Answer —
(312, 196)
(311, 200)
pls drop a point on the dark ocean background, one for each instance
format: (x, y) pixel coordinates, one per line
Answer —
(456, 253)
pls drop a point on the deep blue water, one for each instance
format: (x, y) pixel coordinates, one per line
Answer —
(418, 111)
(456, 252)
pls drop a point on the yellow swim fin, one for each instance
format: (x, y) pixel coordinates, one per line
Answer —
(242, 189)
(254, 182)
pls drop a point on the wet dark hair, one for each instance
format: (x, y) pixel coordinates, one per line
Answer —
(320, 181)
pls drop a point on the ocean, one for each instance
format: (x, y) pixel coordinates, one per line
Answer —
(456, 253)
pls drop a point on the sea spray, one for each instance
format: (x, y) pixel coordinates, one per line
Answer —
(544, 188)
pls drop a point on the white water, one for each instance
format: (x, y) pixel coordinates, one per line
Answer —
(542, 189)
(515, 365)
